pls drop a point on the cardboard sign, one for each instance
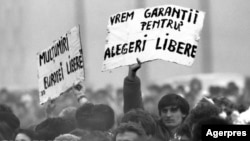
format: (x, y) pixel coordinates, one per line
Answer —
(165, 32)
(60, 66)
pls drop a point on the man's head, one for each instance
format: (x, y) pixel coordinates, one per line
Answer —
(53, 127)
(143, 118)
(196, 129)
(129, 131)
(95, 117)
(173, 109)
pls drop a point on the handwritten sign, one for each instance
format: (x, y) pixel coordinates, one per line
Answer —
(60, 66)
(165, 32)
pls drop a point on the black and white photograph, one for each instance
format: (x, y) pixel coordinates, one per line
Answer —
(124, 70)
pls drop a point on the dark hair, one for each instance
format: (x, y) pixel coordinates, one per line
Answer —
(184, 130)
(5, 131)
(202, 110)
(53, 127)
(174, 99)
(96, 136)
(5, 108)
(130, 127)
(10, 119)
(215, 120)
(142, 117)
(95, 117)
(79, 132)
(223, 101)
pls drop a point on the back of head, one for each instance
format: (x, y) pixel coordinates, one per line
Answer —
(142, 117)
(95, 117)
(53, 127)
(174, 100)
(96, 136)
(197, 127)
(130, 127)
(202, 110)
(106, 113)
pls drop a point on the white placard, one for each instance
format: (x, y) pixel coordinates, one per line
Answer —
(165, 32)
(60, 66)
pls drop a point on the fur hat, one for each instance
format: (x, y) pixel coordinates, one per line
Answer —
(174, 99)
(53, 127)
(95, 117)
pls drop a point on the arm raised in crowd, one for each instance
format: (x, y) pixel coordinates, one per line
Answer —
(50, 109)
(132, 89)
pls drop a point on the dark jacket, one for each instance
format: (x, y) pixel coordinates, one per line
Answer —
(133, 99)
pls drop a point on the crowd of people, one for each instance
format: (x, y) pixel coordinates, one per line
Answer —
(162, 113)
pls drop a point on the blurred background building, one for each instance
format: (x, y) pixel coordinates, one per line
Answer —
(28, 26)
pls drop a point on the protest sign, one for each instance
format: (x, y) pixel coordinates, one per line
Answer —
(165, 32)
(60, 66)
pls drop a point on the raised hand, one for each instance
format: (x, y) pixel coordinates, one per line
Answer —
(51, 106)
(133, 69)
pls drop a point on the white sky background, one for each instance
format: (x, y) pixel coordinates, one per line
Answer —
(28, 26)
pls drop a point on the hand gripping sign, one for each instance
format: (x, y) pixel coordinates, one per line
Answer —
(165, 32)
(60, 66)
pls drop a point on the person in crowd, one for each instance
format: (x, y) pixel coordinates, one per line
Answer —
(194, 95)
(245, 96)
(183, 133)
(6, 132)
(92, 135)
(5, 108)
(232, 91)
(212, 120)
(25, 135)
(225, 104)
(141, 117)
(79, 132)
(96, 136)
(149, 103)
(9, 123)
(173, 108)
(129, 131)
(165, 89)
(204, 108)
(53, 127)
(94, 117)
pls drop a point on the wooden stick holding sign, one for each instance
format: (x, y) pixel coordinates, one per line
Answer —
(165, 32)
